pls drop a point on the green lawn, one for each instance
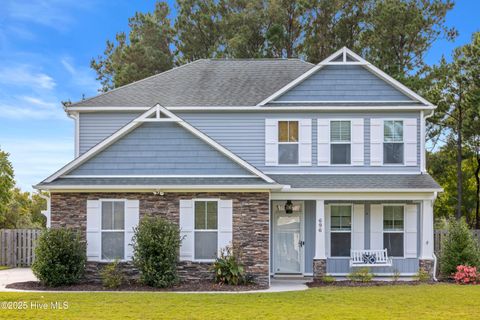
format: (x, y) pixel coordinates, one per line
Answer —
(397, 302)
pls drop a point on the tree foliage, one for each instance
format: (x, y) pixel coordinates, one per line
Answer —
(7, 182)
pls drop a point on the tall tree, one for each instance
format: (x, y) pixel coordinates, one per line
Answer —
(145, 53)
(197, 29)
(7, 182)
(454, 90)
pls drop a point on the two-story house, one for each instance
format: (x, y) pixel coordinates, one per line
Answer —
(307, 169)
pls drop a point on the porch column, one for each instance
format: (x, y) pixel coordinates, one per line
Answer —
(426, 237)
(320, 259)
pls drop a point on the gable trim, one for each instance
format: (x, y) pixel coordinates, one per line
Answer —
(137, 122)
(328, 61)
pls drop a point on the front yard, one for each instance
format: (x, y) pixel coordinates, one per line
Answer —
(441, 301)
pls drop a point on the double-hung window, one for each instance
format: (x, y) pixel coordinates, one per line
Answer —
(340, 230)
(113, 230)
(340, 142)
(393, 143)
(288, 142)
(393, 230)
(206, 230)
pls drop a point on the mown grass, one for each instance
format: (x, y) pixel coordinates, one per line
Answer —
(393, 302)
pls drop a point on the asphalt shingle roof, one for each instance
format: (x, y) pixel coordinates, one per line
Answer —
(358, 181)
(207, 82)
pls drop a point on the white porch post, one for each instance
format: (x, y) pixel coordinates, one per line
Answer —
(426, 248)
(320, 231)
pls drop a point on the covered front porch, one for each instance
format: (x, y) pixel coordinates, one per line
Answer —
(333, 233)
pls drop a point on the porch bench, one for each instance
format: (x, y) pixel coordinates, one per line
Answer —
(370, 258)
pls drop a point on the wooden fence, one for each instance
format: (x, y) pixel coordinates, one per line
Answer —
(439, 235)
(17, 247)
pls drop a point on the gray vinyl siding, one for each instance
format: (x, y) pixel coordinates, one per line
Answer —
(243, 133)
(309, 237)
(159, 149)
(343, 83)
(402, 265)
(96, 126)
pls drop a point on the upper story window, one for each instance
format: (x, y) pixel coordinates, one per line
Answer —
(340, 230)
(340, 142)
(393, 227)
(393, 143)
(113, 230)
(206, 230)
(288, 142)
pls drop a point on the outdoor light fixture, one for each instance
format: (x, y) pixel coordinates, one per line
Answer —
(289, 206)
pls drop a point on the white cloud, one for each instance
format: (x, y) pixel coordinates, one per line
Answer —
(80, 76)
(34, 160)
(24, 75)
(26, 107)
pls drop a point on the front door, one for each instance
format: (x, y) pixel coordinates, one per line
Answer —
(288, 241)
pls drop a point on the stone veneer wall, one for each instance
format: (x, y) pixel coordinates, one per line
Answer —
(251, 220)
(426, 265)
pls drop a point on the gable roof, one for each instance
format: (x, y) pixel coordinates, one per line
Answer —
(344, 57)
(206, 82)
(155, 114)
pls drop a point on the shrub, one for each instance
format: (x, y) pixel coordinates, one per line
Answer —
(458, 248)
(328, 279)
(59, 257)
(227, 268)
(156, 245)
(422, 275)
(396, 275)
(361, 275)
(466, 275)
(112, 276)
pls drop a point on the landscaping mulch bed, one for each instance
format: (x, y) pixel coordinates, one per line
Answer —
(348, 283)
(186, 286)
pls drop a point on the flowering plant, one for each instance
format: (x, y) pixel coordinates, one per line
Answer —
(466, 275)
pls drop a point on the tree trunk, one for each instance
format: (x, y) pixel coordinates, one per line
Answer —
(458, 214)
(477, 195)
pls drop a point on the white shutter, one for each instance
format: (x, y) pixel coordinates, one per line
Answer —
(358, 227)
(132, 216)
(410, 140)
(376, 227)
(323, 138)
(186, 230)
(357, 142)
(376, 142)
(327, 230)
(410, 231)
(271, 142)
(305, 142)
(94, 222)
(225, 221)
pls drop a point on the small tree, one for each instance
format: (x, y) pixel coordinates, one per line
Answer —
(458, 248)
(60, 257)
(156, 245)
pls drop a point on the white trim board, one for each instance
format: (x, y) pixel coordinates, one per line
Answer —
(147, 188)
(158, 176)
(360, 61)
(155, 110)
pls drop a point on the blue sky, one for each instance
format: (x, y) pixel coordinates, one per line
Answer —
(45, 51)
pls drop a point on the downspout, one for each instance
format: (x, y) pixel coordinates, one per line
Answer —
(47, 213)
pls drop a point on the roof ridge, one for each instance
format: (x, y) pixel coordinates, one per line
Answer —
(135, 82)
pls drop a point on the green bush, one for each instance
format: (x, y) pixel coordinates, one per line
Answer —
(361, 275)
(227, 268)
(328, 279)
(422, 275)
(112, 276)
(156, 245)
(59, 257)
(458, 248)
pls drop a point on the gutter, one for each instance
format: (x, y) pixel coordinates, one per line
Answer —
(157, 187)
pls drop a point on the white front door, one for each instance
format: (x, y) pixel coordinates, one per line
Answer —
(288, 241)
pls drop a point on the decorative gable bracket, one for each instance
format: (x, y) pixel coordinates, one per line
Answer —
(158, 114)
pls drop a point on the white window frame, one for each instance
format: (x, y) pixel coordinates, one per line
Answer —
(402, 142)
(392, 231)
(330, 143)
(204, 230)
(107, 230)
(340, 231)
(287, 143)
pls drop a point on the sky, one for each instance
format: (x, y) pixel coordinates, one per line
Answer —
(45, 51)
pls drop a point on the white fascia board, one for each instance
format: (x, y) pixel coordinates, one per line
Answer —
(137, 122)
(351, 196)
(125, 188)
(375, 190)
(160, 176)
